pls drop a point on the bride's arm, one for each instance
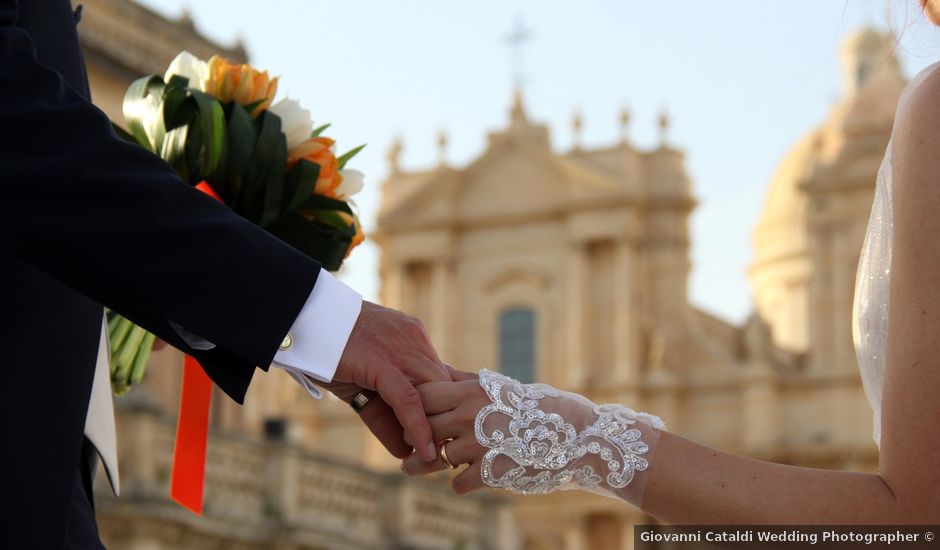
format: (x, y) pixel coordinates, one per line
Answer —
(694, 484)
(688, 483)
(684, 483)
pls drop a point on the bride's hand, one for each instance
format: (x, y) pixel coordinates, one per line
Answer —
(533, 438)
(452, 408)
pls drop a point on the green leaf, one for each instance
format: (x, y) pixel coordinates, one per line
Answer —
(266, 168)
(299, 184)
(190, 164)
(254, 104)
(348, 155)
(177, 81)
(211, 119)
(241, 145)
(274, 190)
(324, 243)
(319, 202)
(333, 219)
(174, 151)
(143, 97)
(178, 108)
(319, 130)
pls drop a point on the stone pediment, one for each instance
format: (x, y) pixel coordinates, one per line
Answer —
(513, 179)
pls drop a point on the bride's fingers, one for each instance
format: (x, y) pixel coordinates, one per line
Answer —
(414, 465)
(447, 425)
(459, 451)
(459, 375)
(468, 480)
(438, 397)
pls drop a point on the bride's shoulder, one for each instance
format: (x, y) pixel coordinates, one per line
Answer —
(915, 140)
(920, 99)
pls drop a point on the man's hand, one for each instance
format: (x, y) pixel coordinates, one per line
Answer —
(390, 352)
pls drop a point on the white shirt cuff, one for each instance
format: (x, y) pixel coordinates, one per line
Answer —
(318, 336)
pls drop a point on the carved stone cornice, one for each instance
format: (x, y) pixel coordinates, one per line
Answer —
(131, 40)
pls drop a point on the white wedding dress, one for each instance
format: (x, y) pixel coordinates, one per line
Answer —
(872, 282)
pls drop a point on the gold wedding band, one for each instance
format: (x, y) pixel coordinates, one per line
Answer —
(444, 458)
(359, 401)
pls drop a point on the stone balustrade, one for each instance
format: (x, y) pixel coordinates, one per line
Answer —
(272, 494)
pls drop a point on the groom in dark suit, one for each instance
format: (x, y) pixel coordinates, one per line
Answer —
(87, 219)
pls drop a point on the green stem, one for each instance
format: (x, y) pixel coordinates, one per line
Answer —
(140, 362)
(128, 350)
(121, 331)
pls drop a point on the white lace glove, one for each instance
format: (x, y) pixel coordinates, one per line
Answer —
(534, 439)
(541, 439)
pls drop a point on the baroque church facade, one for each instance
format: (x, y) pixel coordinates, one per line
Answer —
(569, 268)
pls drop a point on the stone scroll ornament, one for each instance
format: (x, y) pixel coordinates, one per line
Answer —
(541, 439)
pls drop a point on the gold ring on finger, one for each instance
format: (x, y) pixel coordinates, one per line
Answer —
(444, 458)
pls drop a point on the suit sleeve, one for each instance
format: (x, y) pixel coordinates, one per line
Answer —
(114, 222)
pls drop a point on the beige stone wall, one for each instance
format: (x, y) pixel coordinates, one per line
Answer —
(596, 242)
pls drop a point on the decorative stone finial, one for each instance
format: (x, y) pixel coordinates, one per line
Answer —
(577, 124)
(864, 54)
(442, 147)
(624, 119)
(186, 19)
(664, 123)
(240, 49)
(517, 114)
(394, 155)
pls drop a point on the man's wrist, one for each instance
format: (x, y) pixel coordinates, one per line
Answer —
(316, 341)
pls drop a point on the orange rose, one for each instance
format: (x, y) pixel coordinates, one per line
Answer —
(239, 82)
(360, 235)
(320, 151)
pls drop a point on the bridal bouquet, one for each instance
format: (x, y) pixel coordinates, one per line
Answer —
(216, 123)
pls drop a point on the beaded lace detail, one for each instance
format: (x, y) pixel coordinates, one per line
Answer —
(541, 439)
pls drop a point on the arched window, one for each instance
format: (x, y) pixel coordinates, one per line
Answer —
(517, 344)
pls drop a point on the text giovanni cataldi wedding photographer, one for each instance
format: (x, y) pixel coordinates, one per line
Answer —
(691, 537)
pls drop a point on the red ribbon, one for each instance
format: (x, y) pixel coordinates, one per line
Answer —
(192, 429)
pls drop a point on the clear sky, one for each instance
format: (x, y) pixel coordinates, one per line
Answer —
(742, 80)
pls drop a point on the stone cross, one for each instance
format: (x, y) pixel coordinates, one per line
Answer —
(516, 40)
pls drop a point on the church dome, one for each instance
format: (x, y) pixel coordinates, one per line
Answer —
(836, 158)
(781, 229)
(872, 84)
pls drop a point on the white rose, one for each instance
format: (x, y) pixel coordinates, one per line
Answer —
(295, 121)
(353, 182)
(189, 66)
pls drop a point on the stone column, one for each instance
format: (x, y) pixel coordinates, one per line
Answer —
(574, 367)
(759, 397)
(393, 285)
(575, 538)
(662, 397)
(282, 470)
(625, 314)
(498, 530)
(441, 305)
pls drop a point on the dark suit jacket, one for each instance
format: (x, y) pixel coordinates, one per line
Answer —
(88, 220)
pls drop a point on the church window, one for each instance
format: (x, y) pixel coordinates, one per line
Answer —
(517, 344)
